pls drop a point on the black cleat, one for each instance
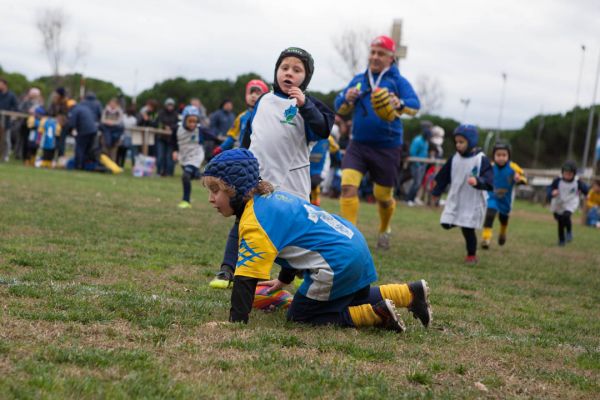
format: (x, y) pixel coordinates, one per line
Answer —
(387, 312)
(501, 239)
(420, 307)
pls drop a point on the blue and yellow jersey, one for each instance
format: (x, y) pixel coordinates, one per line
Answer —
(236, 132)
(504, 180)
(318, 154)
(49, 130)
(295, 234)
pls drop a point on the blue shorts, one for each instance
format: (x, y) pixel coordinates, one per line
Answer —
(382, 164)
(192, 171)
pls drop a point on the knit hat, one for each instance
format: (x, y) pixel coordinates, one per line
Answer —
(302, 55)
(470, 133)
(385, 42)
(238, 168)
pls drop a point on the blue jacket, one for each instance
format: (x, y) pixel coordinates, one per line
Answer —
(367, 127)
(82, 120)
(221, 121)
(419, 147)
(94, 105)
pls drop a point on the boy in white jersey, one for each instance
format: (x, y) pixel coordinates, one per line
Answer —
(565, 192)
(187, 140)
(470, 175)
(331, 253)
(282, 129)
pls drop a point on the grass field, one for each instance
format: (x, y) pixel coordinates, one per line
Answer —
(103, 294)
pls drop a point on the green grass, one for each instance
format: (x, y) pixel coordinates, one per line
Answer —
(103, 287)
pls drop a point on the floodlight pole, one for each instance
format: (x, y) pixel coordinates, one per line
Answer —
(572, 133)
(499, 125)
(588, 133)
(465, 102)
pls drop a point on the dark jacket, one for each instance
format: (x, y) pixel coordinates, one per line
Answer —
(94, 105)
(82, 120)
(221, 121)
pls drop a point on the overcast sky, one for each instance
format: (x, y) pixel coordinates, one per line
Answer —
(465, 44)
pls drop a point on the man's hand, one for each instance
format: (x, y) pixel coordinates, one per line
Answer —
(296, 93)
(555, 193)
(352, 95)
(175, 156)
(472, 181)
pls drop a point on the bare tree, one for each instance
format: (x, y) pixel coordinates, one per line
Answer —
(352, 46)
(51, 23)
(431, 94)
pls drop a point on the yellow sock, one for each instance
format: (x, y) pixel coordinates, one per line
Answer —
(364, 315)
(315, 196)
(399, 293)
(503, 229)
(349, 208)
(487, 234)
(385, 216)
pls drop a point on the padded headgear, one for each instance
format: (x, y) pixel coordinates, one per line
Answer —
(302, 55)
(238, 168)
(470, 133)
(501, 146)
(569, 166)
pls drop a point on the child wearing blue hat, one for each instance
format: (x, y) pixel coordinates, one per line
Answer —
(470, 175)
(338, 270)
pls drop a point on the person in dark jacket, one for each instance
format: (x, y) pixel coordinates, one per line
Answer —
(8, 102)
(82, 119)
(168, 118)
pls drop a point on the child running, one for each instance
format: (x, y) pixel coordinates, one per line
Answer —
(187, 141)
(506, 175)
(254, 89)
(564, 192)
(469, 174)
(280, 132)
(332, 254)
(593, 205)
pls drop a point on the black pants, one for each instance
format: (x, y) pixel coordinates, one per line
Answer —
(564, 224)
(490, 214)
(332, 312)
(470, 238)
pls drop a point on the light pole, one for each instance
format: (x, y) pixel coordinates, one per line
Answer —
(588, 133)
(465, 102)
(499, 125)
(572, 133)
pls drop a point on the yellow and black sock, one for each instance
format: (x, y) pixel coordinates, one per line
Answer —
(385, 216)
(364, 315)
(400, 294)
(349, 208)
(487, 234)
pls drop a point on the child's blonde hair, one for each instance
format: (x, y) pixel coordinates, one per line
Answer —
(213, 183)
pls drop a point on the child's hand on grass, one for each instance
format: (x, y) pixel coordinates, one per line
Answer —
(274, 284)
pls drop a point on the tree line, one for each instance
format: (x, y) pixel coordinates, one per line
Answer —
(553, 129)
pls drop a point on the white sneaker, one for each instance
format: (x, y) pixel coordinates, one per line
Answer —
(410, 203)
(419, 202)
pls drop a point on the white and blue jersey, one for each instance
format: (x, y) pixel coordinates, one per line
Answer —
(297, 235)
